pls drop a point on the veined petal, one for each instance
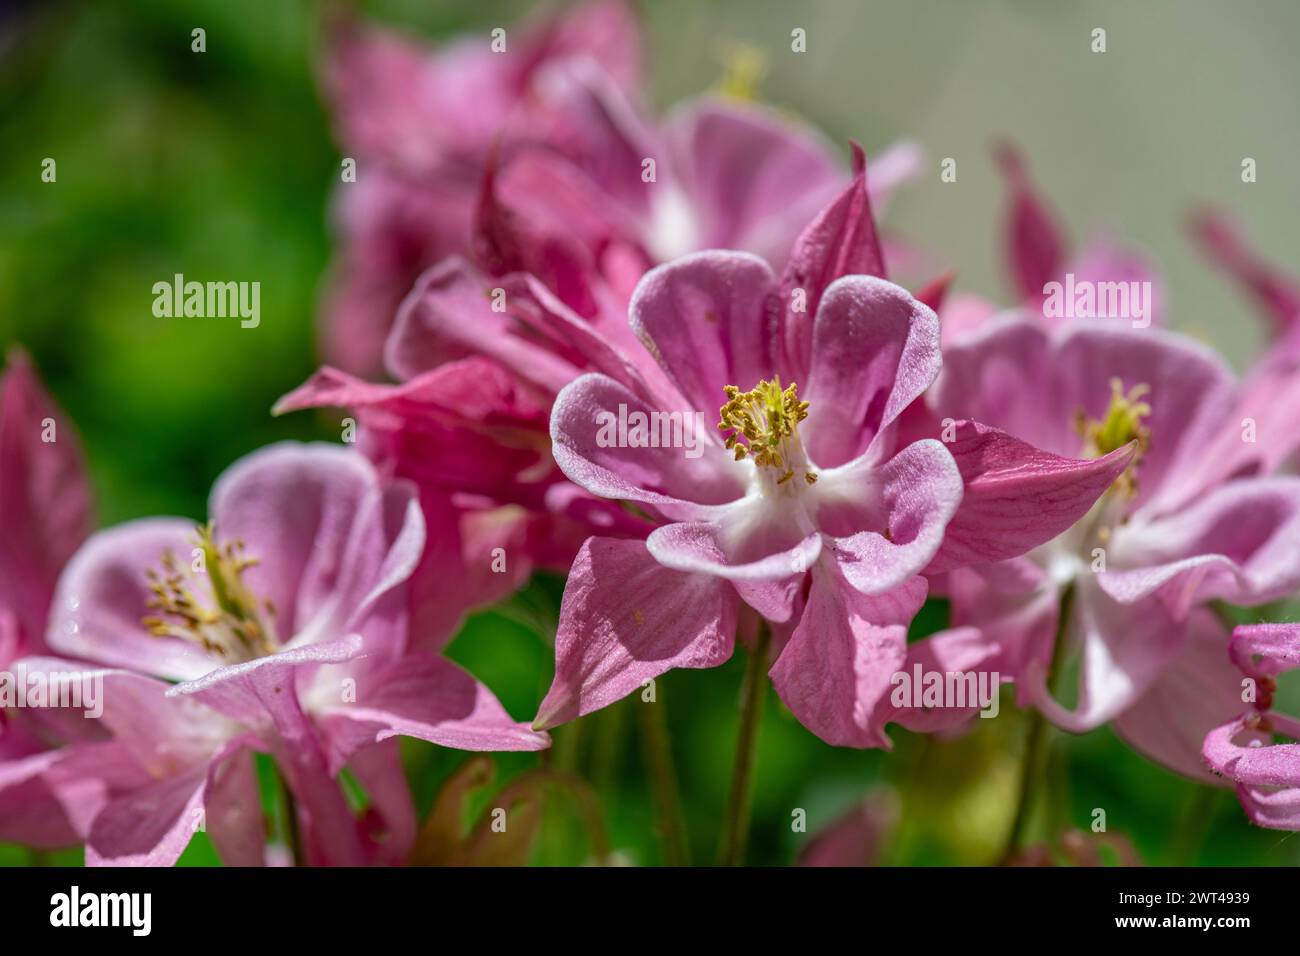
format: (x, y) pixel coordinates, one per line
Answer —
(837, 665)
(103, 595)
(749, 544)
(888, 520)
(875, 349)
(593, 429)
(753, 178)
(1016, 496)
(705, 319)
(428, 698)
(1123, 650)
(626, 619)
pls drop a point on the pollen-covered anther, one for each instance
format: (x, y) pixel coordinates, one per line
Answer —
(763, 425)
(233, 624)
(1121, 424)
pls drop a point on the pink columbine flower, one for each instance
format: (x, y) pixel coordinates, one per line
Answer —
(420, 125)
(550, 166)
(1267, 774)
(283, 623)
(800, 501)
(1167, 538)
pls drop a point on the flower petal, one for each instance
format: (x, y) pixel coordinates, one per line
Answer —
(1016, 496)
(586, 423)
(840, 241)
(45, 510)
(753, 178)
(888, 521)
(837, 665)
(704, 318)
(1195, 694)
(875, 349)
(332, 543)
(428, 698)
(626, 619)
(1240, 544)
(764, 556)
(103, 595)
(1124, 649)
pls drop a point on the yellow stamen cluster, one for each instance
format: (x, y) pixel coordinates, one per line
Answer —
(235, 624)
(1121, 424)
(762, 424)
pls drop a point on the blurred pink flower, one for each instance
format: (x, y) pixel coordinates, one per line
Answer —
(550, 166)
(1168, 538)
(1267, 774)
(858, 837)
(285, 622)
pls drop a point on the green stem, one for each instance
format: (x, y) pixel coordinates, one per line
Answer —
(1036, 740)
(291, 832)
(671, 821)
(1035, 737)
(735, 833)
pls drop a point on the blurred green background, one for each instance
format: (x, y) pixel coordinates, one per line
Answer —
(220, 165)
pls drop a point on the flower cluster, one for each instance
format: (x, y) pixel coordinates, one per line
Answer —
(526, 251)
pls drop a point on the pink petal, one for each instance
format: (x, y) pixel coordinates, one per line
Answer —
(1240, 544)
(1195, 694)
(704, 318)
(838, 664)
(102, 597)
(964, 651)
(1275, 293)
(1017, 497)
(752, 546)
(1034, 243)
(150, 826)
(334, 545)
(449, 315)
(390, 817)
(1265, 650)
(233, 811)
(888, 520)
(754, 179)
(875, 349)
(1002, 373)
(428, 698)
(540, 214)
(265, 695)
(1191, 390)
(45, 510)
(592, 455)
(390, 230)
(1124, 649)
(856, 838)
(1104, 261)
(618, 628)
(840, 241)
(467, 424)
